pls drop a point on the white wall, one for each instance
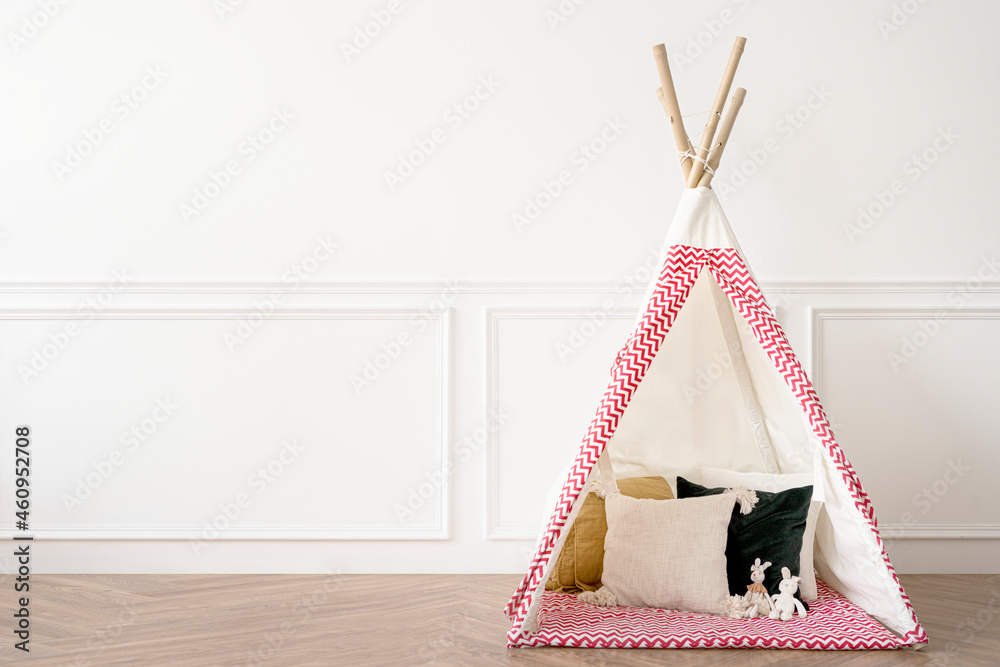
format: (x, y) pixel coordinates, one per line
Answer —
(434, 271)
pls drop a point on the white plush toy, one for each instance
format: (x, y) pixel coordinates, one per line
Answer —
(785, 602)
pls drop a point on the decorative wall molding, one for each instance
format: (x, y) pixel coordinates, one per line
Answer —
(941, 531)
(889, 532)
(818, 316)
(221, 314)
(195, 533)
(550, 287)
(494, 529)
(439, 531)
(876, 287)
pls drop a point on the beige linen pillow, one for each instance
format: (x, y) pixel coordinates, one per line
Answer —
(762, 481)
(668, 553)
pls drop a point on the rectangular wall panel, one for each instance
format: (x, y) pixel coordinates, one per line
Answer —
(912, 394)
(547, 368)
(317, 423)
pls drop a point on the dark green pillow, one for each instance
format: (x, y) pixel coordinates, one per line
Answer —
(772, 531)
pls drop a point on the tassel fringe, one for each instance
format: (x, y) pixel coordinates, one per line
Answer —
(602, 597)
(747, 498)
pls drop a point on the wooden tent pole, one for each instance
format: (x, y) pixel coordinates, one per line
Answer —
(723, 138)
(668, 98)
(698, 168)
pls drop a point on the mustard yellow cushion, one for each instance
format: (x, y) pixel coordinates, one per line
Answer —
(581, 561)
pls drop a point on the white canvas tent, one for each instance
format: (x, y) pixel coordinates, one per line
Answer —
(704, 316)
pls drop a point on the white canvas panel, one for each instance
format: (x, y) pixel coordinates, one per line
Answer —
(787, 425)
(688, 411)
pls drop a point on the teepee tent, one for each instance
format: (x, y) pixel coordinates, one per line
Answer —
(760, 413)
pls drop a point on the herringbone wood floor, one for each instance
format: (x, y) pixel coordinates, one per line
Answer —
(381, 620)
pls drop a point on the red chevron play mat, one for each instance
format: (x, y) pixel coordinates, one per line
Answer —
(833, 622)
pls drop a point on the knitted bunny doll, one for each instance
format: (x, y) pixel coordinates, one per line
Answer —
(756, 595)
(785, 603)
(755, 602)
